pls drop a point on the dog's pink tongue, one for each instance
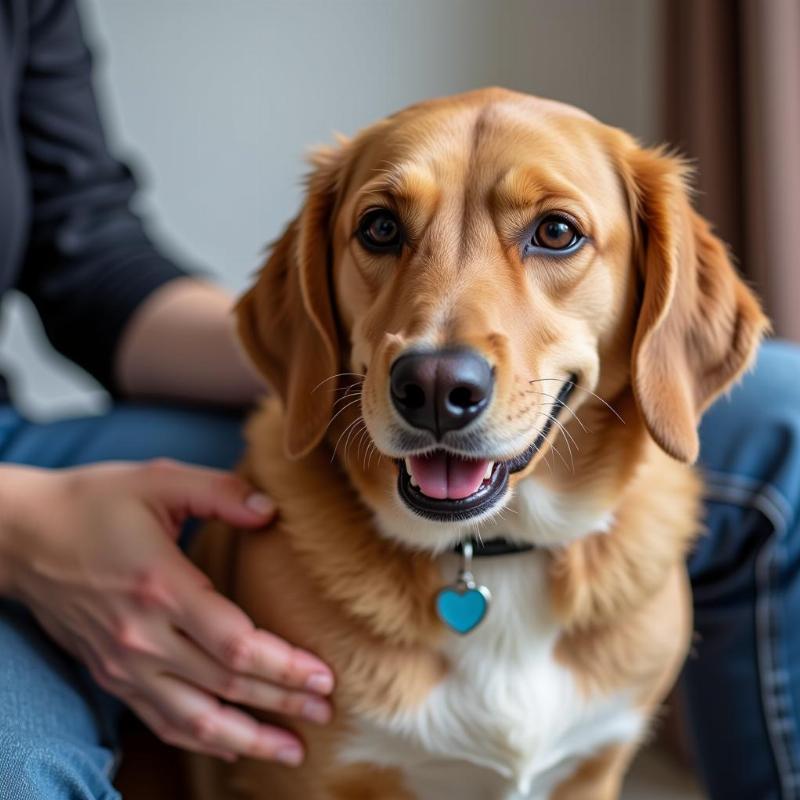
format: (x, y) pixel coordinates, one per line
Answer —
(464, 477)
(441, 475)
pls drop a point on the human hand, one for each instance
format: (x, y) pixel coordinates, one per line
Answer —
(91, 551)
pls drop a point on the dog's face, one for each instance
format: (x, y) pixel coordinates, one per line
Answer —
(474, 270)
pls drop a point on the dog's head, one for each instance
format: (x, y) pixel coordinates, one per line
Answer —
(464, 277)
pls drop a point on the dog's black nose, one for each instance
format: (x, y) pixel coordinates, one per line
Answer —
(441, 390)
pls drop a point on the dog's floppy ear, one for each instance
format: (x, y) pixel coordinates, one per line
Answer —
(286, 320)
(699, 325)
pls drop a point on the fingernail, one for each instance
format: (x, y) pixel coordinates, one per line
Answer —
(316, 711)
(260, 503)
(320, 682)
(291, 755)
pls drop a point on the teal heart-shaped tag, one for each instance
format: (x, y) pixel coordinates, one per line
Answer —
(462, 607)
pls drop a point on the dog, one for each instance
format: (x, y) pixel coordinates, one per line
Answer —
(490, 332)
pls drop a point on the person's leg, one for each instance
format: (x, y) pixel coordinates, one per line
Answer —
(129, 433)
(742, 683)
(58, 730)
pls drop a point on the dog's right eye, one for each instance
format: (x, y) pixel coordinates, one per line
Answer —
(379, 231)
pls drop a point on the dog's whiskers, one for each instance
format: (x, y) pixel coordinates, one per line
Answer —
(348, 428)
(556, 450)
(338, 375)
(362, 438)
(566, 440)
(537, 450)
(347, 396)
(353, 428)
(372, 452)
(567, 435)
(352, 403)
(559, 454)
(561, 404)
(588, 391)
(349, 388)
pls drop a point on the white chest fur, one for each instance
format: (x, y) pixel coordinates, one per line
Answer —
(509, 721)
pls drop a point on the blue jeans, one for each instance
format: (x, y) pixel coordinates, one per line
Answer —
(58, 730)
(741, 688)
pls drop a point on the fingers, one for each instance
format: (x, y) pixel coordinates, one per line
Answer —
(207, 493)
(190, 718)
(194, 665)
(226, 633)
(171, 735)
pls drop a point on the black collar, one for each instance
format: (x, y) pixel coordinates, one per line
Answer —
(494, 547)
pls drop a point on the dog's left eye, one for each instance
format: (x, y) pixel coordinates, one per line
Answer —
(556, 233)
(379, 231)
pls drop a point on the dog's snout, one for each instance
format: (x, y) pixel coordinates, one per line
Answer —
(441, 390)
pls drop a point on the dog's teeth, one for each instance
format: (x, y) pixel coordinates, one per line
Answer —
(412, 479)
(488, 474)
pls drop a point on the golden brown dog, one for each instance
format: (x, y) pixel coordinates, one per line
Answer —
(494, 320)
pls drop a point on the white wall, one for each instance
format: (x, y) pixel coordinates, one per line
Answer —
(216, 102)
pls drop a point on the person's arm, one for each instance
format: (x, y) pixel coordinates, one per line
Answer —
(104, 291)
(181, 343)
(91, 551)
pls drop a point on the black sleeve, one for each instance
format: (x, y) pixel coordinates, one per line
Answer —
(89, 262)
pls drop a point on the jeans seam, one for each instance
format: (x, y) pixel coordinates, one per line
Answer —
(775, 697)
(750, 492)
(774, 693)
(113, 762)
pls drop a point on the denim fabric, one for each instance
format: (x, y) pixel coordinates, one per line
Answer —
(742, 684)
(58, 730)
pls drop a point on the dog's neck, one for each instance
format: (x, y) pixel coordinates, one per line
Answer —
(500, 546)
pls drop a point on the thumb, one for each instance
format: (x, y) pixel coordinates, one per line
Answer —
(189, 491)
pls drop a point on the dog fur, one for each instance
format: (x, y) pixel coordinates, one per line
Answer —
(552, 694)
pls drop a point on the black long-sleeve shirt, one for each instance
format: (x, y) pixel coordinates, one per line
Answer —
(68, 238)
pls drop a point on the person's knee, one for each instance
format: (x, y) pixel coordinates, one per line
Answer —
(770, 390)
(753, 437)
(43, 768)
(775, 380)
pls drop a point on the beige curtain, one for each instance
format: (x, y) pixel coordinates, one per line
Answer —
(733, 105)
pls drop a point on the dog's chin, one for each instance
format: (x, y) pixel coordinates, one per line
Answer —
(398, 522)
(436, 525)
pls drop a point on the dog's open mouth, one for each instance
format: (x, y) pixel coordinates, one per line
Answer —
(448, 487)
